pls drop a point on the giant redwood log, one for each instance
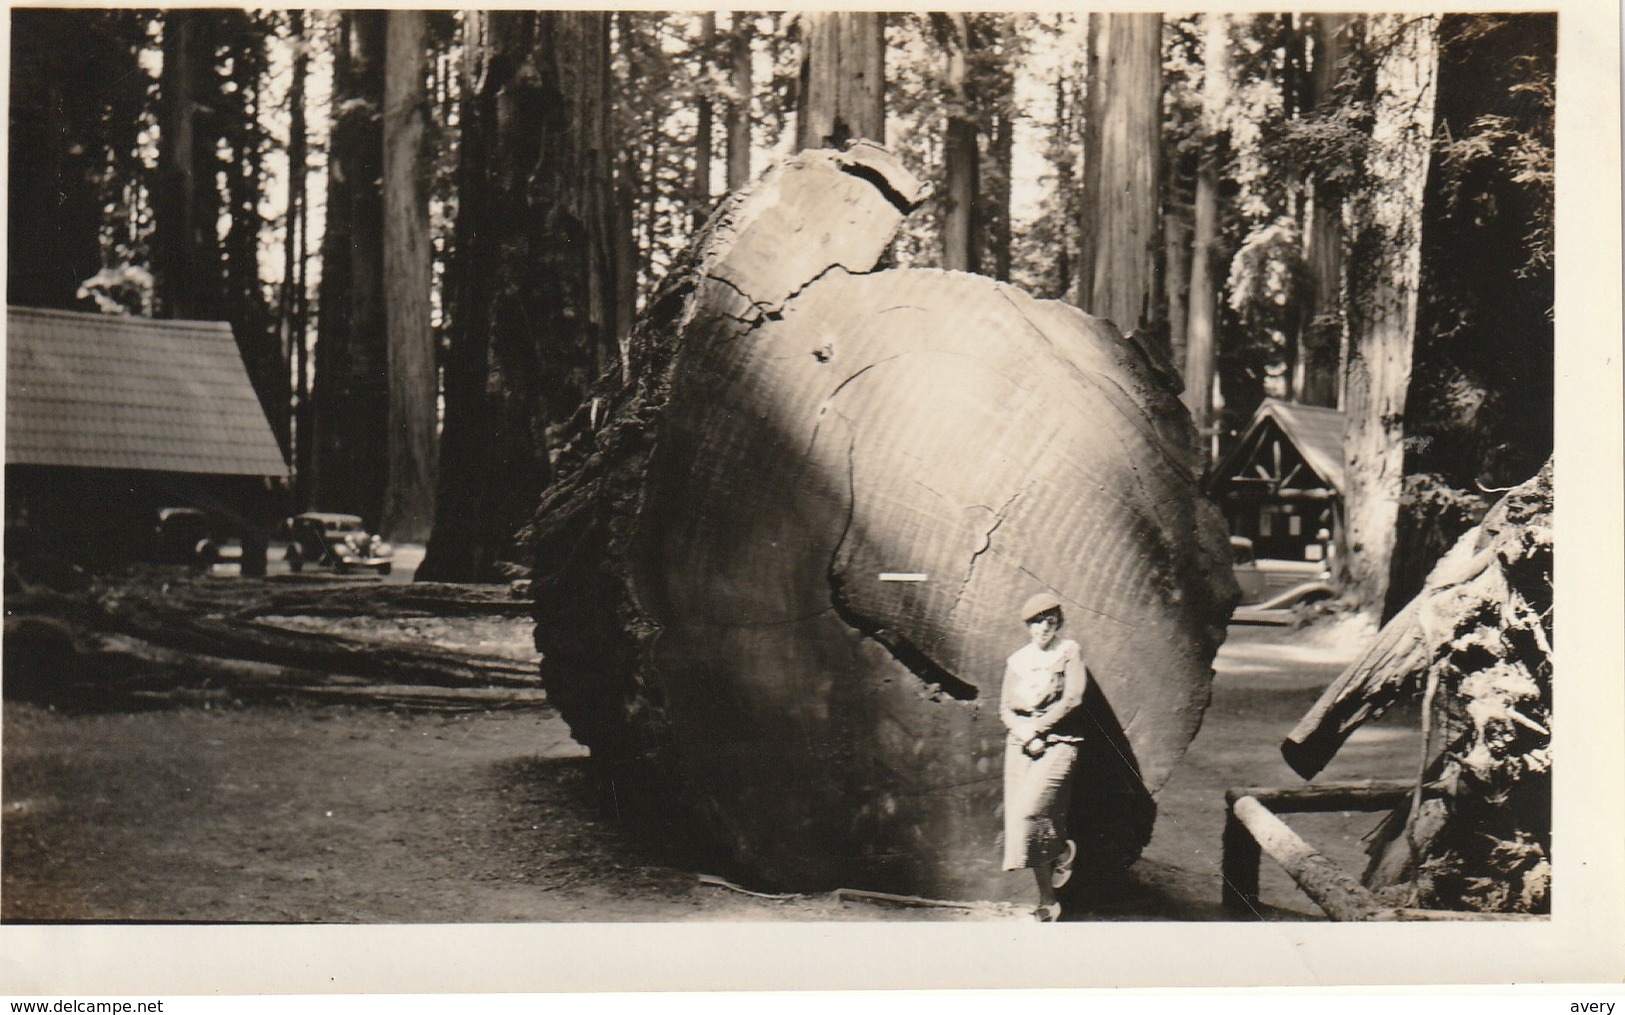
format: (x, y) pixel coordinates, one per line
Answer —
(781, 566)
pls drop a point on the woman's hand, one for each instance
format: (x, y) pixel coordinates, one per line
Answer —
(1034, 747)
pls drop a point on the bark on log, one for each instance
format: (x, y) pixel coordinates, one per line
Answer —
(1476, 833)
(712, 583)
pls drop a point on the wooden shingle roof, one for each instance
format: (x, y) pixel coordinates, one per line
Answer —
(1316, 432)
(97, 391)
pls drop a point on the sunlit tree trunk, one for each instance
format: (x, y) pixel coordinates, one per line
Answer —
(1382, 308)
(1200, 331)
(409, 495)
(1318, 379)
(739, 87)
(843, 79)
(1121, 232)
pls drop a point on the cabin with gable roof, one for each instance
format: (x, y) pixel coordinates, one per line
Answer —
(1281, 485)
(110, 419)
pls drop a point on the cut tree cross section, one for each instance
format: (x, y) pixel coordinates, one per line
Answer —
(712, 600)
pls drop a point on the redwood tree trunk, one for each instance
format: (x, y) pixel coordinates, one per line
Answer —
(352, 385)
(843, 79)
(537, 281)
(1118, 276)
(996, 35)
(961, 222)
(408, 514)
(184, 251)
(739, 81)
(1382, 316)
(1319, 380)
(1201, 329)
(295, 303)
(702, 126)
(998, 233)
(1178, 234)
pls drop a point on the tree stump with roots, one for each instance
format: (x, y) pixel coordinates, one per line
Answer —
(780, 568)
(1476, 644)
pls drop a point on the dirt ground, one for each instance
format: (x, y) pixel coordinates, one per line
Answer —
(340, 813)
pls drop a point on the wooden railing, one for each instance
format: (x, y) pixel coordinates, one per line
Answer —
(1251, 829)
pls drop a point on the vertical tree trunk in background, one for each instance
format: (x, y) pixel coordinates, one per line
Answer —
(1318, 379)
(243, 36)
(293, 274)
(1177, 231)
(352, 388)
(1201, 329)
(739, 86)
(539, 292)
(998, 233)
(634, 254)
(1382, 311)
(1118, 277)
(703, 116)
(997, 44)
(843, 79)
(179, 278)
(408, 514)
(961, 223)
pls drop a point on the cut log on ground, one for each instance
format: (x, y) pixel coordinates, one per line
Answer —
(1476, 642)
(156, 632)
(783, 570)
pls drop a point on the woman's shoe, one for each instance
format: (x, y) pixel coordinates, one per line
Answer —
(1048, 914)
(1063, 865)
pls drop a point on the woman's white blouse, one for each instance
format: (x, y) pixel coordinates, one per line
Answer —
(1035, 677)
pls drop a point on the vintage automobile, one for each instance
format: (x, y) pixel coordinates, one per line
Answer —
(337, 541)
(178, 533)
(208, 541)
(1245, 567)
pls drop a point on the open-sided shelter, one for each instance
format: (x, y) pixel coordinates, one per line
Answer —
(1281, 485)
(109, 419)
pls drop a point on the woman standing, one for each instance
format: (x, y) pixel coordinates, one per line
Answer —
(1044, 682)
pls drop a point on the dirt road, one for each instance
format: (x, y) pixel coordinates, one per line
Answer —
(354, 814)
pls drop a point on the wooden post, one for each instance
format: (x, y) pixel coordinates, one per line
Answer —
(1239, 866)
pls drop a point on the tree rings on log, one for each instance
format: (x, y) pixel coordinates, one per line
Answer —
(816, 574)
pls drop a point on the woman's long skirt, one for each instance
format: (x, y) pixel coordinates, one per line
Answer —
(1036, 791)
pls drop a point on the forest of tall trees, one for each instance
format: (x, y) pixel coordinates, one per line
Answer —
(432, 231)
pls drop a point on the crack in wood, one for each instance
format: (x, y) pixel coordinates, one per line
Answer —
(937, 680)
